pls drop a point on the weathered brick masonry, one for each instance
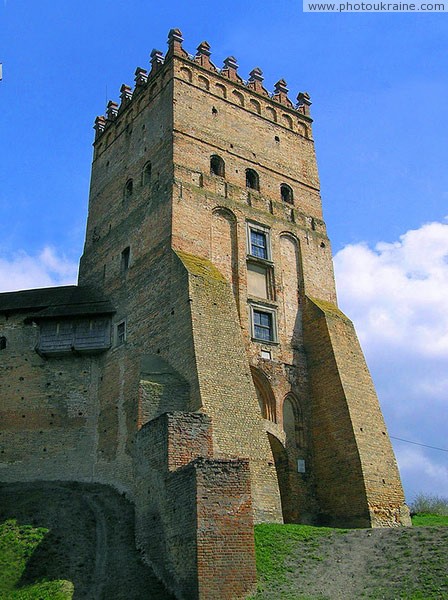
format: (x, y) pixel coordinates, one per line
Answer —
(201, 366)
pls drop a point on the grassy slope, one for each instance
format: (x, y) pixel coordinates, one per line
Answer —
(276, 544)
(17, 544)
(286, 553)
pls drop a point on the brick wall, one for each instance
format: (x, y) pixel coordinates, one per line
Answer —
(356, 474)
(48, 413)
(193, 512)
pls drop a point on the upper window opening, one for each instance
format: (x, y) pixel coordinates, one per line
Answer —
(2, 342)
(252, 179)
(146, 176)
(287, 193)
(258, 243)
(217, 166)
(128, 188)
(125, 259)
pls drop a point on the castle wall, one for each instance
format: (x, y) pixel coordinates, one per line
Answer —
(48, 412)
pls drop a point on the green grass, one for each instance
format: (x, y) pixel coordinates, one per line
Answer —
(17, 544)
(420, 579)
(274, 543)
(424, 520)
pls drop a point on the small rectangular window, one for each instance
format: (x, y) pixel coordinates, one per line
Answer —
(263, 323)
(121, 333)
(263, 326)
(258, 244)
(258, 241)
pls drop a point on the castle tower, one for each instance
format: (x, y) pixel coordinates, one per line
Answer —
(205, 232)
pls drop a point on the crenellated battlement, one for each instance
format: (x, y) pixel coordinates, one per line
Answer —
(277, 105)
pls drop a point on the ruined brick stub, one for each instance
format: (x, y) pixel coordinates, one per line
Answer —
(194, 512)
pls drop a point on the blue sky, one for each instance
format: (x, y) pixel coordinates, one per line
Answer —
(379, 85)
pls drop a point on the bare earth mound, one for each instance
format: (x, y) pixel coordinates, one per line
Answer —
(90, 542)
(387, 564)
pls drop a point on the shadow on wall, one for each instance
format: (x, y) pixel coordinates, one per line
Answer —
(90, 540)
(162, 389)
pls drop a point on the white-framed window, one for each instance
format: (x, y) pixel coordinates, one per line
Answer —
(258, 241)
(263, 321)
(120, 333)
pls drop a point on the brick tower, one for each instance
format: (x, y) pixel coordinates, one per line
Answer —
(205, 231)
(201, 366)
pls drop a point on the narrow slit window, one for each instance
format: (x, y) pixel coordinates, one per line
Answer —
(121, 333)
(2, 342)
(146, 176)
(128, 188)
(125, 259)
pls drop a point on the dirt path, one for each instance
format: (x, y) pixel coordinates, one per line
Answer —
(90, 542)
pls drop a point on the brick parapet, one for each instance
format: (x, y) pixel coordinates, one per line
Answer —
(281, 110)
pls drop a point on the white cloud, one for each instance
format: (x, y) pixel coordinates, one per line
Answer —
(396, 294)
(48, 268)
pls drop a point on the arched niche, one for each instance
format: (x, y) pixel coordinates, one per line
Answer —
(292, 286)
(186, 74)
(282, 469)
(255, 105)
(221, 90)
(238, 97)
(265, 395)
(293, 425)
(303, 129)
(271, 113)
(287, 121)
(224, 246)
(203, 82)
